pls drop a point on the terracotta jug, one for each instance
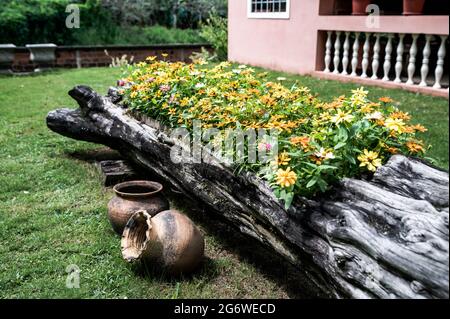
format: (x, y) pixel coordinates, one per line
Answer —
(169, 240)
(133, 196)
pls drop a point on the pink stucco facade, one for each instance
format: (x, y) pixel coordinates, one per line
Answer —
(296, 44)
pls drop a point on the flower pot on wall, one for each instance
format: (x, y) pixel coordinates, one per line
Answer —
(413, 7)
(6, 57)
(43, 55)
(359, 7)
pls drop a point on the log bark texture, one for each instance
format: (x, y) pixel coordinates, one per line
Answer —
(386, 237)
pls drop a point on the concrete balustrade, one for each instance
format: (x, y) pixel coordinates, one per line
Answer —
(396, 52)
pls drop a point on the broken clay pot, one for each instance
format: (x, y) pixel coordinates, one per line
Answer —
(169, 240)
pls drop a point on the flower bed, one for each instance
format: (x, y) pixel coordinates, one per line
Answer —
(317, 143)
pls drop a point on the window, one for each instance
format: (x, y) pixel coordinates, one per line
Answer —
(268, 9)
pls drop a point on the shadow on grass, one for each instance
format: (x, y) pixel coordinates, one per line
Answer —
(273, 266)
(207, 270)
(294, 282)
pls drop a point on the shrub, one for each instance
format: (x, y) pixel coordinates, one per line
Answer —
(319, 143)
(215, 31)
(137, 35)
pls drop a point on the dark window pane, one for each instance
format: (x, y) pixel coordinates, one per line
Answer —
(283, 6)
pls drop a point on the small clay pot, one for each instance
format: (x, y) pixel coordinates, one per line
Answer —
(133, 196)
(169, 241)
(413, 7)
(359, 7)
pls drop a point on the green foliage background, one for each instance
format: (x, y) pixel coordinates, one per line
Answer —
(106, 21)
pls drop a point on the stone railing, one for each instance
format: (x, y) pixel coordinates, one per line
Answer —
(35, 57)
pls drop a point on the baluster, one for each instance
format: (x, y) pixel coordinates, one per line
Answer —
(376, 56)
(345, 58)
(426, 55)
(399, 59)
(337, 52)
(355, 51)
(412, 59)
(365, 60)
(328, 53)
(387, 58)
(440, 63)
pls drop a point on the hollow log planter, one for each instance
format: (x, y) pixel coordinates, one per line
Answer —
(383, 238)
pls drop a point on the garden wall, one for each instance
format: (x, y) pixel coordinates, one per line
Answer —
(92, 56)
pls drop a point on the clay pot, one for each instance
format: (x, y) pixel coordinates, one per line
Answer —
(133, 196)
(359, 7)
(413, 7)
(169, 240)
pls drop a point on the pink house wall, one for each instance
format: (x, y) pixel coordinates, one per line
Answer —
(292, 44)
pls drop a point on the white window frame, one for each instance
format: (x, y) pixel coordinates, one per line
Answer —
(268, 15)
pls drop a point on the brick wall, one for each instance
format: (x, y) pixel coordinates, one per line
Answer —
(91, 56)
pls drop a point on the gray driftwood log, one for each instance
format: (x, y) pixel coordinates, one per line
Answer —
(387, 237)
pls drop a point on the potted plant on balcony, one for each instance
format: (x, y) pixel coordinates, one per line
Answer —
(413, 7)
(359, 7)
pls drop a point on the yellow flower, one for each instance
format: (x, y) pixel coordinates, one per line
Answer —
(286, 178)
(360, 92)
(342, 117)
(151, 58)
(133, 94)
(283, 159)
(164, 55)
(395, 124)
(370, 160)
(366, 108)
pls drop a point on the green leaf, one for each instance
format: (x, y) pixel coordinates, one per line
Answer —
(322, 184)
(288, 200)
(312, 182)
(340, 145)
(326, 167)
(343, 134)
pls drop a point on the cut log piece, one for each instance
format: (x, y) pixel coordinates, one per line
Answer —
(116, 171)
(386, 237)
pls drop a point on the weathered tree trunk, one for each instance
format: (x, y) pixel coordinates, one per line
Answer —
(383, 238)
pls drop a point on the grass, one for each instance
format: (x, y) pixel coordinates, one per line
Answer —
(53, 206)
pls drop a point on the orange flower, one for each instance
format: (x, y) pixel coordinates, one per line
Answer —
(392, 150)
(301, 140)
(400, 115)
(385, 99)
(415, 147)
(409, 130)
(286, 178)
(420, 128)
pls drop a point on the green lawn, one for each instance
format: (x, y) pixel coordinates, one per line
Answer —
(53, 206)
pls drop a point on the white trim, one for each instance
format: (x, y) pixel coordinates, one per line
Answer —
(268, 15)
